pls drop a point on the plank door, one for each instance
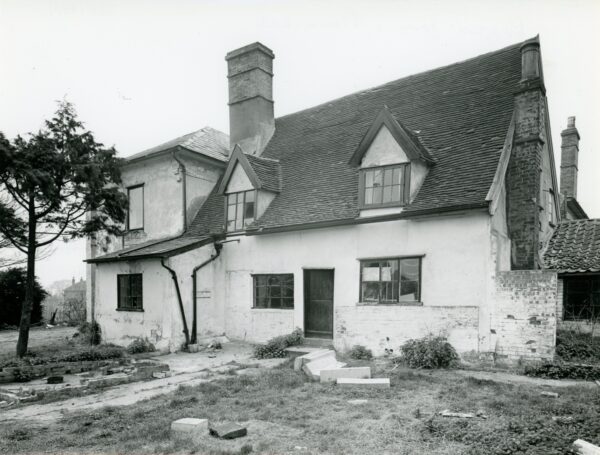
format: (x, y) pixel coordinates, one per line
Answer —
(318, 303)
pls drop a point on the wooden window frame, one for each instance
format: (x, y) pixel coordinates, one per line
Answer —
(254, 291)
(129, 307)
(405, 184)
(227, 196)
(134, 187)
(568, 313)
(419, 300)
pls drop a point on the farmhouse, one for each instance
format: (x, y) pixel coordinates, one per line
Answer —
(422, 206)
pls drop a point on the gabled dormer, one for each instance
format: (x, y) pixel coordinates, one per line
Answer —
(249, 185)
(392, 164)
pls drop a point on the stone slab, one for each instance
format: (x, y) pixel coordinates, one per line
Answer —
(374, 382)
(313, 369)
(227, 430)
(357, 402)
(320, 354)
(585, 448)
(336, 373)
(190, 426)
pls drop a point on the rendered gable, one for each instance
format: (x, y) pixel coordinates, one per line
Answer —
(238, 181)
(384, 150)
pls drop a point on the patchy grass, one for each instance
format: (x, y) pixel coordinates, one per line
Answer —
(287, 414)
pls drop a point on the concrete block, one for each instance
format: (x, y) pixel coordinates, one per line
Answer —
(190, 426)
(374, 382)
(357, 402)
(336, 373)
(227, 430)
(585, 448)
(313, 369)
(299, 362)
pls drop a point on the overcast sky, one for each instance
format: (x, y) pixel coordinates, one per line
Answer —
(143, 72)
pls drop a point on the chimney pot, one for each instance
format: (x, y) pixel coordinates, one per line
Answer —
(571, 122)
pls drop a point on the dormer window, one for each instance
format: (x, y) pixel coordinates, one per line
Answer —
(240, 210)
(385, 186)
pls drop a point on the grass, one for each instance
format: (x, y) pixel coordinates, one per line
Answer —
(287, 414)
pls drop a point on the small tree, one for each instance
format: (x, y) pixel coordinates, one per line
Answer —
(12, 296)
(52, 179)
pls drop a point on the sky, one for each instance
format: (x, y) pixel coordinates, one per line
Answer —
(143, 72)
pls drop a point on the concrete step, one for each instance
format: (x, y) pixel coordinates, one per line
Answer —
(323, 343)
(374, 382)
(313, 369)
(350, 373)
(319, 354)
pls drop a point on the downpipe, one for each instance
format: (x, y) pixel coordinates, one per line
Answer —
(174, 277)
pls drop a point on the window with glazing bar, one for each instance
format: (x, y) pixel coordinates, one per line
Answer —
(129, 292)
(390, 280)
(274, 291)
(385, 186)
(240, 210)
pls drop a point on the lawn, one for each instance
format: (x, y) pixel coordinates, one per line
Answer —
(287, 414)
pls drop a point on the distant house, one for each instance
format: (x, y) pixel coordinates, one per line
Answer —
(421, 206)
(68, 305)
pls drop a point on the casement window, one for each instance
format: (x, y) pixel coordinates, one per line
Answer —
(581, 298)
(241, 209)
(385, 186)
(390, 280)
(135, 213)
(129, 292)
(274, 291)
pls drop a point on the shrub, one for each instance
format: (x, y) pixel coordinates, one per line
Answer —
(275, 347)
(140, 345)
(576, 346)
(359, 352)
(91, 332)
(560, 370)
(12, 296)
(429, 352)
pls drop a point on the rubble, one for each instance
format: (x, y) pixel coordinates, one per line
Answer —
(227, 430)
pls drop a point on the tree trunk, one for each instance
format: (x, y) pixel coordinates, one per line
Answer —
(30, 285)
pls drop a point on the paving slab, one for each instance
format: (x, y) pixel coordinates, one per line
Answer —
(374, 382)
(353, 372)
(585, 448)
(313, 369)
(190, 425)
(314, 356)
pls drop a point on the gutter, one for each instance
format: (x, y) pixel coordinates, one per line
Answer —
(174, 277)
(184, 189)
(371, 219)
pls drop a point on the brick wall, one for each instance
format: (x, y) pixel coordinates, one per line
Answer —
(524, 316)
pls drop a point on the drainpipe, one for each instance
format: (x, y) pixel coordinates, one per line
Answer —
(184, 192)
(218, 247)
(174, 276)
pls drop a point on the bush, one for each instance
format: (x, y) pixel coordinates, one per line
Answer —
(140, 345)
(429, 352)
(559, 370)
(12, 295)
(91, 332)
(275, 347)
(576, 346)
(359, 352)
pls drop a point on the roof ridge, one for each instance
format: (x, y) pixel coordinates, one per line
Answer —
(422, 73)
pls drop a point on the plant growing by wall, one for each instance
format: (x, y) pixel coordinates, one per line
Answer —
(429, 352)
(275, 347)
(360, 352)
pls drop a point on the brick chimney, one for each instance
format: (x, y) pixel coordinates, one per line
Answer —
(251, 116)
(523, 178)
(569, 155)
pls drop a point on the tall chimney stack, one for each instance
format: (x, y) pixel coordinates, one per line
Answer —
(568, 159)
(251, 115)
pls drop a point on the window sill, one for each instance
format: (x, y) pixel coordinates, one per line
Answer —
(134, 310)
(390, 304)
(272, 309)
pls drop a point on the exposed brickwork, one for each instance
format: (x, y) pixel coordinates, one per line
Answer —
(569, 158)
(524, 316)
(388, 327)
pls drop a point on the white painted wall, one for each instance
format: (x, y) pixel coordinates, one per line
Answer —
(238, 181)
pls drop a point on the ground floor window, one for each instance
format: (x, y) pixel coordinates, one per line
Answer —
(274, 290)
(390, 280)
(581, 298)
(129, 290)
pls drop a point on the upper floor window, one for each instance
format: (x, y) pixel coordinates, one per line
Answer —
(135, 214)
(390, 280)
(241, 209)
(385, 186)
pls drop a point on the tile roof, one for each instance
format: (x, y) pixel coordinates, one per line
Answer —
(155, 248)
(207, 141)
(574, 247)
(268, 172)
(460, 113)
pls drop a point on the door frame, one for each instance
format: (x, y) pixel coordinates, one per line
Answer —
(305, 296)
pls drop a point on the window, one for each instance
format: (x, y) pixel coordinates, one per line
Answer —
(129, 292)
(274, 291)
(240, 210)
(385, 186)
(581, 298)
(135, 214)
(390, 280)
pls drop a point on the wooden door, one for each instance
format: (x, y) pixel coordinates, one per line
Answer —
(318, 303)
